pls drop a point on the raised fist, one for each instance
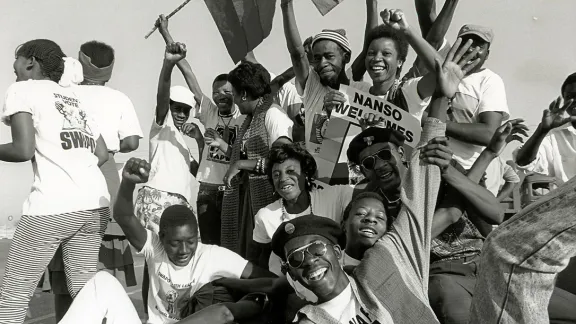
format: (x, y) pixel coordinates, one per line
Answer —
(136, 171)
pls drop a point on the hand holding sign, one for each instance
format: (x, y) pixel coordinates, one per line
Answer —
(395, 19)
(333, 99)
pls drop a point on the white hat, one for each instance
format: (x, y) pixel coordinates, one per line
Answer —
(182, 95)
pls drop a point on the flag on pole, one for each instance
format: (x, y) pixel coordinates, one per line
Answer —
(243, 24)
(324, 6)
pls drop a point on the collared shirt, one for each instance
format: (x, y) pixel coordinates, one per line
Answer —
(459, 240)
(556, 155)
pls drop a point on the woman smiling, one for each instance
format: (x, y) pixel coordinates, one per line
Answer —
(292, 170)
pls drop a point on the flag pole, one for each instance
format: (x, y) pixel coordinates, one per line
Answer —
(167, 17)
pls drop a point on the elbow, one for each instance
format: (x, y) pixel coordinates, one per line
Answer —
(24, 153)
(297, 53)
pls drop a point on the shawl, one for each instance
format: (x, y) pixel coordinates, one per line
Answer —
(255, 136)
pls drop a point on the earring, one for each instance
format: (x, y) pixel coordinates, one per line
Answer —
(243, 98)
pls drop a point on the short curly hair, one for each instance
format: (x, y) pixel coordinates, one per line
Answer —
(384, 31)
(365, 195)
(279, 154)
(101, 54)
(47, 53)
(252, 78)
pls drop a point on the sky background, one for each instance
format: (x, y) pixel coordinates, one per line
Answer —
(533, 50)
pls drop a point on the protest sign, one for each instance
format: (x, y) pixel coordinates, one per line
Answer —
(332, 160)
(324, 6)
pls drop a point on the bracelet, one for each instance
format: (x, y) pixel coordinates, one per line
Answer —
(258, 166)
(263, 167)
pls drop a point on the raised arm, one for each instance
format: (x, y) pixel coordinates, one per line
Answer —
(437, 32)
(278, 82)
(359, 66)
(552, 118)
(135, 171)
(294, 42)
(174, 53)
(426, 53)
(183, 65)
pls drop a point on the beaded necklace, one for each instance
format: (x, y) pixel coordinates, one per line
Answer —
(285, 213)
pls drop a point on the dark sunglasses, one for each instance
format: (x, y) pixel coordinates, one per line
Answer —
(316, 249)
(369, 162)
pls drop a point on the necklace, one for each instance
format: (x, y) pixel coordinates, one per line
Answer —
(226, 134)
(285, 213)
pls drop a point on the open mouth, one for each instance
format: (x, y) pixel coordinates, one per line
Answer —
(368, 232)
(317, 275)
(378, 69)
(386, 175)
(286, 188)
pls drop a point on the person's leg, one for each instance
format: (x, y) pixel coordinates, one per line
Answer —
(562, 307)
(34, 243)
(521, 259)
(209, 209)
(450, 289)
(80, 251)
(103, 297)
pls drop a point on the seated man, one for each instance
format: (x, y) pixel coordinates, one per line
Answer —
(551, 150)
(179, 264)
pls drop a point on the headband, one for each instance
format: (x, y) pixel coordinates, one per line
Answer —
(93, 73)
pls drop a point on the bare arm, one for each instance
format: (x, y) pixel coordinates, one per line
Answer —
(163, 95)
(359, 66)
(101, 151)
(23, 144)
(529, 151)
(439, 28)
(183, 64)
(252, 271)
(282, 79)
(294, 42)
(506, 190)
(476, 133)
(124, 216)
(426, 11)
(129, 144)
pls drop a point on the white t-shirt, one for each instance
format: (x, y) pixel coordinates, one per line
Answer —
(498, 173)
(416, 105)
(329, 202)
(477, 93)
(171, 284)
(315, 121)
(66, 173)
(344, 307)
(113, 112)
(288, 99)
(169, 159)
(277, 124)
(556, 155)
(215, 163)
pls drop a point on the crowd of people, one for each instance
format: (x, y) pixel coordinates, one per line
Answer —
(417, 236)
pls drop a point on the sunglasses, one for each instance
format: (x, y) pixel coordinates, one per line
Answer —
(296, 258)
(369, 162)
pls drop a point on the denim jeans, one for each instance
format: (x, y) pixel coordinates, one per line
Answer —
(521, 259)
(209, 207)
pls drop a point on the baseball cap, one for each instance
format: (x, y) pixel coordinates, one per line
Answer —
(483, 32)
(182, 95)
